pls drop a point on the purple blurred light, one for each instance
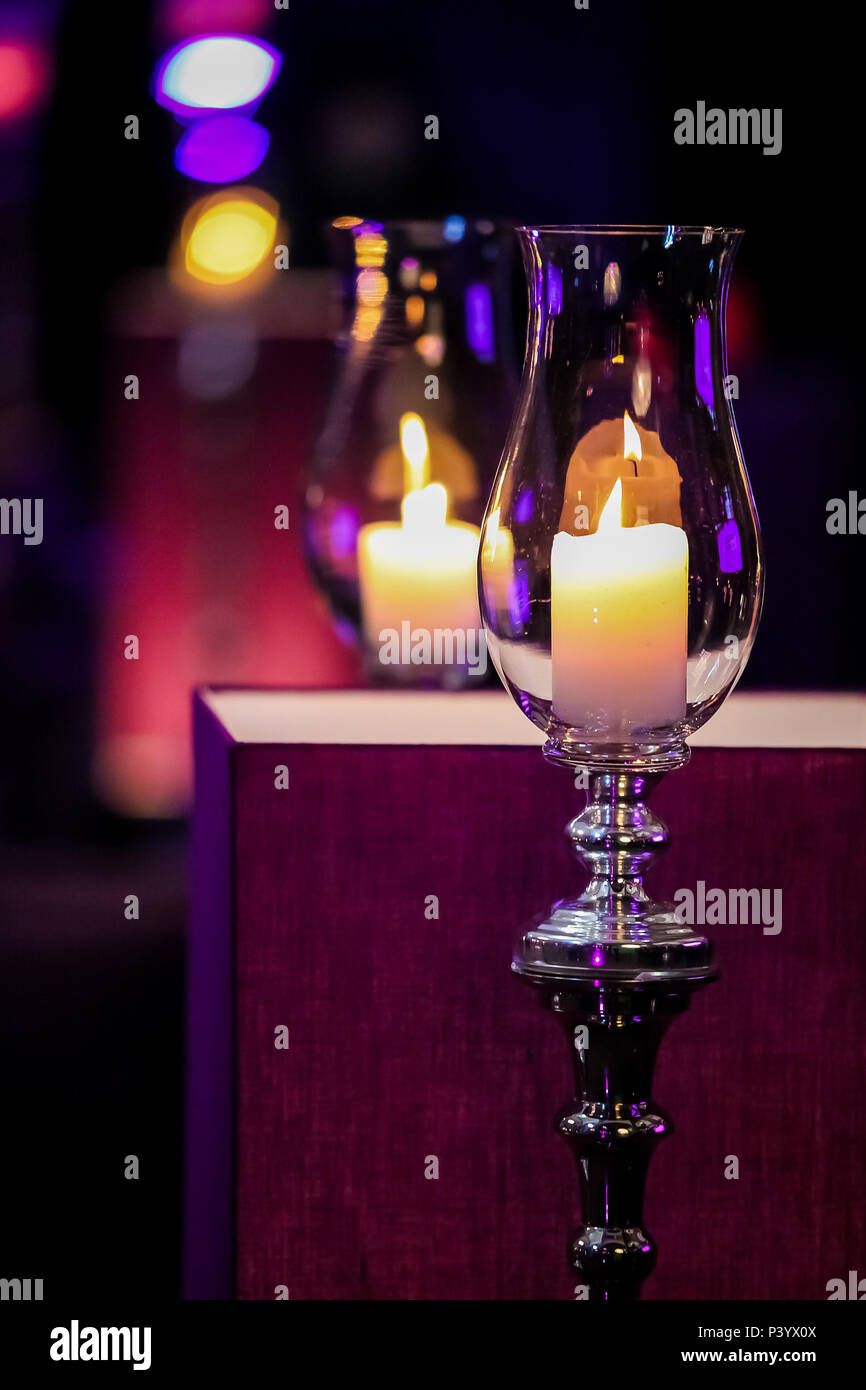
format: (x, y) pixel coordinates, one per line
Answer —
(524, 506)
(554, 290)
(220, 149)
(518, 598)
(479, 322)
(704, 361)
(730, 548)
(343, 527)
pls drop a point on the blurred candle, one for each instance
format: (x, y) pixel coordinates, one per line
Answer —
(619, 610)
(420, 570)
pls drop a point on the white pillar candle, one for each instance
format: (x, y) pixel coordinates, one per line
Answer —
(619, 625)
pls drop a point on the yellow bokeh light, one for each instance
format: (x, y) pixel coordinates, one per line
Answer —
(229, 241)
(428, 280)
(370, 249)
(366, 322)
(226, 240)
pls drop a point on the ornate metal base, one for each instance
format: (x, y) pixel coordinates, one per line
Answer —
(615, 968)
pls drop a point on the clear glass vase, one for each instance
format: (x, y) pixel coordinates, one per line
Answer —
(404, 464)
(620, 570)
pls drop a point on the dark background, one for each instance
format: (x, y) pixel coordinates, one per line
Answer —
(547, 114)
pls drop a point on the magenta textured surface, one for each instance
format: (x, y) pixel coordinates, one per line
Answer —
(410, 1038)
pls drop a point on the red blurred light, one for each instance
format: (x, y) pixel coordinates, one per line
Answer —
(745, 320)
(23, 78)
(181, 18)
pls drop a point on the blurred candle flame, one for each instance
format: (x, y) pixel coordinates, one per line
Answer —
(416, 452)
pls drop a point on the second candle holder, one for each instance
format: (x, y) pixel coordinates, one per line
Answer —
(403, 467)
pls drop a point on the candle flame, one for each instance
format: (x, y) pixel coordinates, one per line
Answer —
(416, 452)
(630, 440)
(424, 509)
(611, 513)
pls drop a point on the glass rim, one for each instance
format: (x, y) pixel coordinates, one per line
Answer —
(627, 229)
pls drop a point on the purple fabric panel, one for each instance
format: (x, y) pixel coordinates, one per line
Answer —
(209, 1128)
(410, 1037)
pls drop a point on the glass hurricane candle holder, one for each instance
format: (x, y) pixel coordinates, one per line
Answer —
(404, 464)
(622, 481)
(620, 581)
(620, 568)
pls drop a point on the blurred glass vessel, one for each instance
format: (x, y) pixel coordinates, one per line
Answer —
(621, 572)
(403, 467)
